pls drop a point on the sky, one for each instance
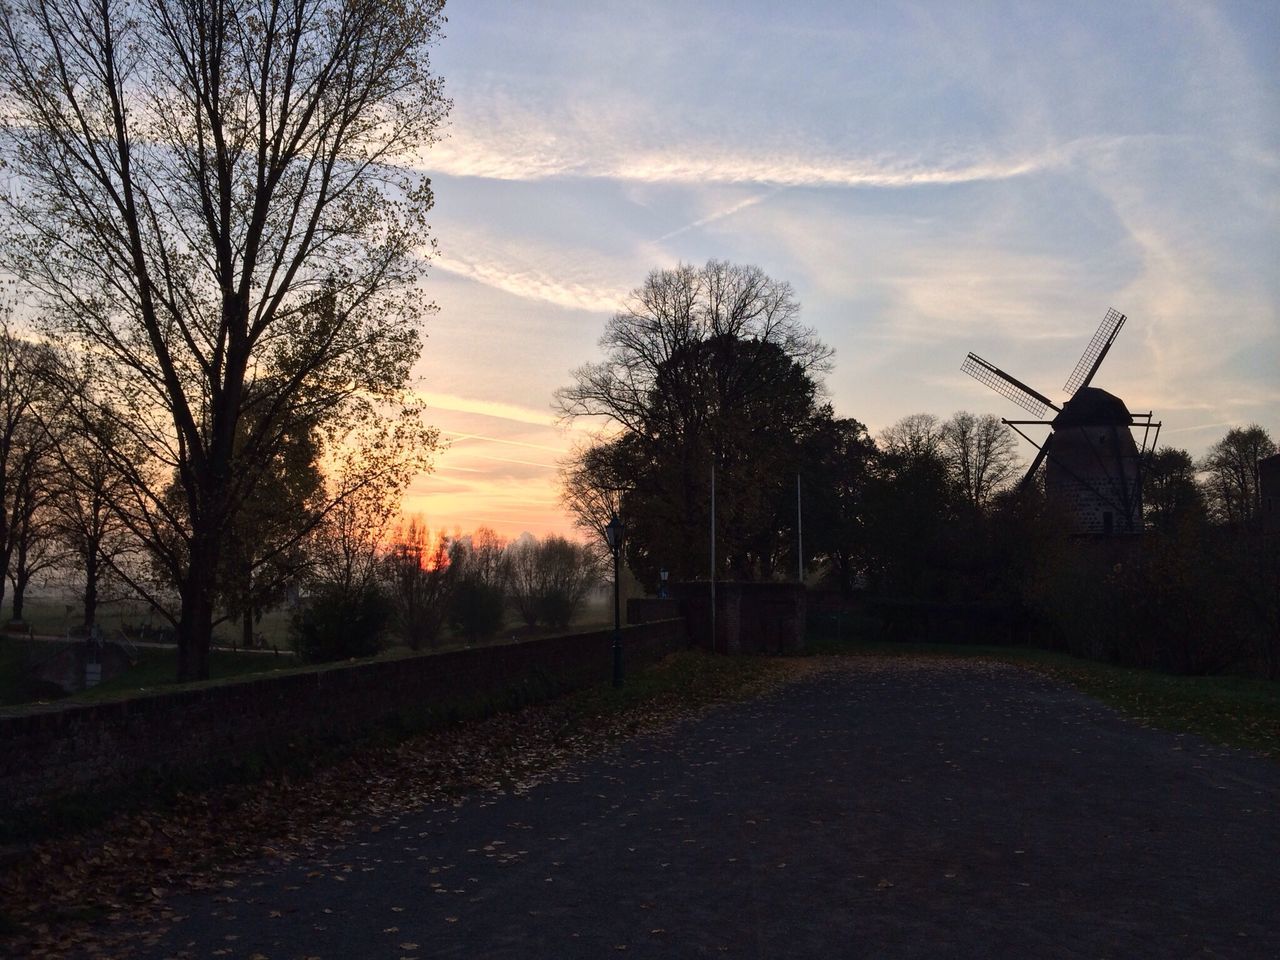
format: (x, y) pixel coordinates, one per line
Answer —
(931, 179)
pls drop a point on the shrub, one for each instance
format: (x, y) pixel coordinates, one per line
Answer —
(336, 624)
(477, 608)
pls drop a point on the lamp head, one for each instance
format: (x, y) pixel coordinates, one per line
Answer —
(613, 532)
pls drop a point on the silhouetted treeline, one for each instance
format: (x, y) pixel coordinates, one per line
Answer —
(414, 586)
(1197, 591)
(710, 382)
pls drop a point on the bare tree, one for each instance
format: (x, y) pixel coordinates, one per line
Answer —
(1232, 467)
(570, 570)
(420, 578)
(981, 454)
(636, 386)
(32, 525)
(548, 580)
(593, 482)
(26, 401)
(346, 546)
(85, 490)
(917, 436)
(212, 196)
(525, 579)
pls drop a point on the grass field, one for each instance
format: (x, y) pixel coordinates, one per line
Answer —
(1236, 711)
(156, 667)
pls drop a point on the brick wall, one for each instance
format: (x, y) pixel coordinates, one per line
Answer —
(47, 750)
(751, 617)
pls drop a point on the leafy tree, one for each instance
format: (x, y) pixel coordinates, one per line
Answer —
(333, 625)
(1232, 467)
(265, 553)
(838, 457)
(704, 368)
(210, 198)
(1170, 494)
(593, 480)
(981, 454)
(910, 509)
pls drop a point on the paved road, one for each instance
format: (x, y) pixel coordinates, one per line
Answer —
(882, 809)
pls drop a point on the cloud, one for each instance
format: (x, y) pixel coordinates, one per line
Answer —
(718, 215)
(457, 438)
(501, 154)
(487, 408)
(530, 283)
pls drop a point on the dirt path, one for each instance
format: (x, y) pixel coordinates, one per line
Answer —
(880, 809)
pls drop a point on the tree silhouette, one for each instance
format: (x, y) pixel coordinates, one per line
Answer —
(190, 181)
(1232, 465)
(705, 368)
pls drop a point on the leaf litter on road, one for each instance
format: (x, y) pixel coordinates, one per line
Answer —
(58, 896)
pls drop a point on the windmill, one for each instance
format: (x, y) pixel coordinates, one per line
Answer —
(1093, 465)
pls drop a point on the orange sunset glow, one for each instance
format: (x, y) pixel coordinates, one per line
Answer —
(498, 468)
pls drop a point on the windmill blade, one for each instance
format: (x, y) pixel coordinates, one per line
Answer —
(1043, 452)
(1091, 360)
(1008, 387)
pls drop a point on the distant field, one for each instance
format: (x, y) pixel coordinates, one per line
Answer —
(156, 667)
(52, 615)
(52, 612)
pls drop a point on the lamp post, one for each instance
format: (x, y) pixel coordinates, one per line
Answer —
(613, 534)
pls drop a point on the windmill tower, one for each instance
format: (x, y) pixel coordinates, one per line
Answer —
(1093, 464)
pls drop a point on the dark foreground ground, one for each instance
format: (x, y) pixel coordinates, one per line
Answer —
(880, 809)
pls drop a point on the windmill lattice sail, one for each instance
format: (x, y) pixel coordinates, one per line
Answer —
(1091, 359)
(1005, 385)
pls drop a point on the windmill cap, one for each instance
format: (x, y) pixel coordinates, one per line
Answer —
(1092, 407)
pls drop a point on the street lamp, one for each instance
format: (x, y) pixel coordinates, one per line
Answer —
(613, 534)
(662, 577)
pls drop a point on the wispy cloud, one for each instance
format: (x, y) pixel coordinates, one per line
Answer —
(718, 215)
(487, 408)
(502, 155)
(456, 438)
(529, 282)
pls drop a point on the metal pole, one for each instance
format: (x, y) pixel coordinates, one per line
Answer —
(617, 625)
(713, 556)
(799, 536)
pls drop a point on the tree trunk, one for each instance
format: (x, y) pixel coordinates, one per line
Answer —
(246, 636)
(195, 626)
(20, 579)
(90, 588)
(195, 620)
(5, 557)
(19, 594)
